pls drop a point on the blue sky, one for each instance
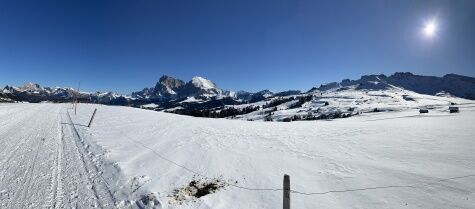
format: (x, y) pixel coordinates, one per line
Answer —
(251, 45)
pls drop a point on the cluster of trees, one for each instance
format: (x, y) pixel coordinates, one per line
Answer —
(301, 101)
(276, 102)
(310, 116)
(216, 113)
(333, 115)
(231, 111)
(281, 100)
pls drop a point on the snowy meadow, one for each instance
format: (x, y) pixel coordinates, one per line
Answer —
(375, 160)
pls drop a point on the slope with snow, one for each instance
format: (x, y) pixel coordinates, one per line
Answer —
(140, 158)
(398, 159)
(349, 100)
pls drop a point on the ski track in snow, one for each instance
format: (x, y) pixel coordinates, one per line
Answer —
(45, 164)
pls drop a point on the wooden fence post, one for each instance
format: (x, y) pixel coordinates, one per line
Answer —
(92, 118)
(286, 191)
(77, 98)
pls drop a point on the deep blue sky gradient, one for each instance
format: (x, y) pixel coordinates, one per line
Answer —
(251, 45)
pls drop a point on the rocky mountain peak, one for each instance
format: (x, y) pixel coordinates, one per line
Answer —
(31, 87)
(171, 82)
(402, 75)
(168, 86)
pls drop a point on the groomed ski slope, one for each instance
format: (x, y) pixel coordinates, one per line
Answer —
(375, 160)
(45, 164)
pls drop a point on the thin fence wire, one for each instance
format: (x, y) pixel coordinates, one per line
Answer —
(412, 186)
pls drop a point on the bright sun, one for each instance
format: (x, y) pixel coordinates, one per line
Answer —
(430, 28)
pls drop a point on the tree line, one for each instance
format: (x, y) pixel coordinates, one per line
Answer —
(217, 113)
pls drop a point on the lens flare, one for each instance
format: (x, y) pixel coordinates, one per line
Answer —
(430, 28)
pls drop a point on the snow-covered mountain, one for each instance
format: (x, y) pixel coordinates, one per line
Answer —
(202, 97)
(166, 88)
(254, 97)
(200, 87)
(370, 93)
(169, 88)
(457, 85)
(32, 92)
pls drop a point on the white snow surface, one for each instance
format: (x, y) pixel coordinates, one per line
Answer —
(191, 99)
(376, 152)
(367, 151)
(151, 105)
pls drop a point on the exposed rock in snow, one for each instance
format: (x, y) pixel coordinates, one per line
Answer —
(168, 86)
(165, 89)
(32, 87)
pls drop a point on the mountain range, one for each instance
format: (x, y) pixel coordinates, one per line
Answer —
(202, 94)
(457, 85)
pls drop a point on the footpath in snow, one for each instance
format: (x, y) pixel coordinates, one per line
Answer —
(45, 164)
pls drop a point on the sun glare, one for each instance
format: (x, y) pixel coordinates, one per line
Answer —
(430, 28)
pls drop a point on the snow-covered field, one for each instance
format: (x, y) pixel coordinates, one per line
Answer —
(351, 100)
(394, 159)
